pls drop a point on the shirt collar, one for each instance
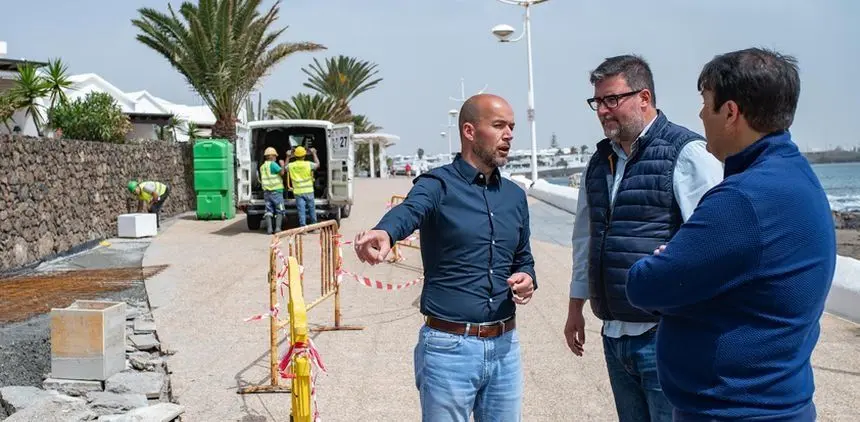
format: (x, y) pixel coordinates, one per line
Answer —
(620, 151)
(470, 173)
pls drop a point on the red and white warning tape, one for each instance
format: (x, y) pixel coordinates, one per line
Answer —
(368, 282)
(283, 281)
(308, 349)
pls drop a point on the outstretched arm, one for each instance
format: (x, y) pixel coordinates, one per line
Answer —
(407, 216)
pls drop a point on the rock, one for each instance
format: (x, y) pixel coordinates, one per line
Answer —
(162, 412)
(149, 384)
(72, 387)
(143, 361)
(57, 408)
(144, 326)
(15, 399)
(846, 220)
(132, 312)
(143, 341)
(105, 403)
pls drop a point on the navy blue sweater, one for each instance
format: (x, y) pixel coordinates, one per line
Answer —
(740, 290)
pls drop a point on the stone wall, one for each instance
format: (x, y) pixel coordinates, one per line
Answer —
(59, 194)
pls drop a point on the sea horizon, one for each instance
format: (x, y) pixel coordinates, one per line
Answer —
(841, 183)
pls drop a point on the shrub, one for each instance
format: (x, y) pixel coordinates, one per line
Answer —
(96, 118)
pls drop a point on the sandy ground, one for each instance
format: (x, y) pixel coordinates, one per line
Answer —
(848, 243)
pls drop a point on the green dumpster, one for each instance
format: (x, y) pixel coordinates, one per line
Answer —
(214, 176)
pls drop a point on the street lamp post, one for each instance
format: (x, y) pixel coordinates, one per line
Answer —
(503, 33)
(451, 114)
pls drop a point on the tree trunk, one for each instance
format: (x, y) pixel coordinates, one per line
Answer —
(225, 127)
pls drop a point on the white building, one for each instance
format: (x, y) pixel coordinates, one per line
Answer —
(378, 142)
(145, 111)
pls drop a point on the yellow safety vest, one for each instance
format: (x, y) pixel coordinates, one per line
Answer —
(271, 181)
(302, 177)
(160, 188)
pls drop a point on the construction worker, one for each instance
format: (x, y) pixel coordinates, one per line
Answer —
(272, 179)
(151, 196)
(301, 175)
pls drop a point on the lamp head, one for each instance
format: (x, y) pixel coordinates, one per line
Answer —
(503, 32)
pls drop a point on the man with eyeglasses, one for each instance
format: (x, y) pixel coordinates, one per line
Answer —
(642, 182)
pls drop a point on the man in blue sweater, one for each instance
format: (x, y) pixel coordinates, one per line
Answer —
(742, 285)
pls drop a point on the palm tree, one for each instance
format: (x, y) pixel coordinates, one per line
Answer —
(342, 78)
(9, 104)
(29, 88)
(307, 106)
(193, 131)
(223, 48)
(361, 124)
(58, 82)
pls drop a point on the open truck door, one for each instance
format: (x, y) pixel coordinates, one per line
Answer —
(243, 171)
(341, 169)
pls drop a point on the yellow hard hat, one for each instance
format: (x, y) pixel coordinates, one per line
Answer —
(300, 152)
(270, 151)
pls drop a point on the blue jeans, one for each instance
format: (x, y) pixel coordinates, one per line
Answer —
(632, 365)
(457, 375)
(274, 202)
(305, 205)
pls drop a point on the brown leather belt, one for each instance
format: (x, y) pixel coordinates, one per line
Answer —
(482, 330)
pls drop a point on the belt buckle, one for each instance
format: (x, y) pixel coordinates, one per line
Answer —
(501, 325)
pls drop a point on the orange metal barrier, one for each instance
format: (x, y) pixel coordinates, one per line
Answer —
(329, 287)
(409, 243)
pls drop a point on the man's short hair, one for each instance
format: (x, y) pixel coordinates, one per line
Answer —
(634, 69)
(764, 84)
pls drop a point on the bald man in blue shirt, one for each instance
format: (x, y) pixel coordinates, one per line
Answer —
(477, 267)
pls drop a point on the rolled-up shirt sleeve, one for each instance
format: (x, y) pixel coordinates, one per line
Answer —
(696, 172)
(579, 241)
(403, 219)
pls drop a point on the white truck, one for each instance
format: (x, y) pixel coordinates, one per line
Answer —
(333, 180)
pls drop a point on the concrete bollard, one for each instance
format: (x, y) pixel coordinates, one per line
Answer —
(88, 340)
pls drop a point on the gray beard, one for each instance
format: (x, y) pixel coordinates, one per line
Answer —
(489, 159)
(626, 131)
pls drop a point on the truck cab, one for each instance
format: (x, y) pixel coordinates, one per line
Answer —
(333, 180)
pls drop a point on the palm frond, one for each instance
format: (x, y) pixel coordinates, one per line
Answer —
(223, 48)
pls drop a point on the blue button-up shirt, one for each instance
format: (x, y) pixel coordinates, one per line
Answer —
(474, 235)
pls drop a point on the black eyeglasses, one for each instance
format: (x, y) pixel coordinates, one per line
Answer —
(610, 101)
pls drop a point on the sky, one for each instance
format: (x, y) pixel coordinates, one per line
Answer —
(424, 47)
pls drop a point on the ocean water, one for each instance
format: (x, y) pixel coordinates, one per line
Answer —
(841, 182)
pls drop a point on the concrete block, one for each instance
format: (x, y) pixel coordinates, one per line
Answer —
(104, 403)
(88, 340)
(16, 399)
(72, 387)
(144, 341)
(54, 409)
(136, 225)
(144, 326)
(162, 412)
(143, 361)
(149, 384)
